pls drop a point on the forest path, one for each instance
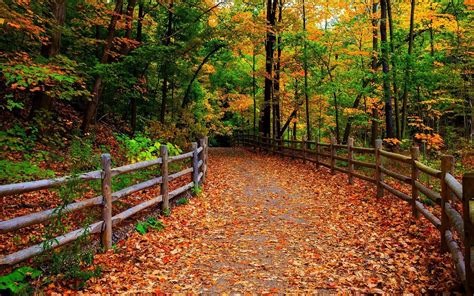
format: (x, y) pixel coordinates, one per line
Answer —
(268, 225)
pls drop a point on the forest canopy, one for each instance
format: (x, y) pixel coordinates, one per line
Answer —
(176, 70)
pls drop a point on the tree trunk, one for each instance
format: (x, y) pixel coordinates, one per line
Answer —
(254, 88)
(394, 74)
(97, 89)
(41, 101)
(347, 130)
(133, 103)
(265, 117)
(276, 98)
(294, 113)
(164, 88)
(305, 66)
(186, 99)
(129, 25)
(407, 71)
(386, 70)
(141, 14)
(375, 124)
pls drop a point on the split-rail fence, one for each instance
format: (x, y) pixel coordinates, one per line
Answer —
(455, 226)
(198, 170)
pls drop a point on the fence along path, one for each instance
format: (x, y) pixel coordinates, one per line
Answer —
(453, 194)
(105, 226)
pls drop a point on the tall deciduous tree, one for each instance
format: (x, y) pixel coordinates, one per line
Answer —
(265, 116)
(386, 70)
(97, 88)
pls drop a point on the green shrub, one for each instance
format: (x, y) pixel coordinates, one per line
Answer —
(141, 148)
(17, 281)
(182, 201)
(18, 138)
(142, 227)
(82, 155)
(196, 190)
(14, 172)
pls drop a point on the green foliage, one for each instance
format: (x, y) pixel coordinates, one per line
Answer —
(82, 155)
(142, 227)
(125, 180)
(196, 190)
(73, 262)
(18, 138)
(61, 80)
(341, 163)
(17, 281)
(141, 148)
(14, 172)
(166, 212)
(182, 201)
(427, 201)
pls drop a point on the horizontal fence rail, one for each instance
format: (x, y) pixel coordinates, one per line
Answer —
(198, 157)
(452, 195)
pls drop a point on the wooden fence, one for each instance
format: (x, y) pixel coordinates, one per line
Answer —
(198, 171)
(453, 194)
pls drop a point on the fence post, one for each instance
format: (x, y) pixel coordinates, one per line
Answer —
(447, 164)
(293, 147)
(273, 141)
(303, 148)
(350, 144)
(165, 204)
(206, 156)
(468, 200)
(333, 160)
(318, 150)
(195, 166)
(280, 146)
(202, 143)
(106, 201)
(415, 173)
(378, 165)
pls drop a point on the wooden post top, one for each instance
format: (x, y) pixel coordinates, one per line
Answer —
(378, 144)
(164, 150)
(415, 152)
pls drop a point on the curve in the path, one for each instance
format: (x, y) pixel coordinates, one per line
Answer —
(268, 225)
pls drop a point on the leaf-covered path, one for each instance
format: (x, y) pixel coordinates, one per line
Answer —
(269, 225)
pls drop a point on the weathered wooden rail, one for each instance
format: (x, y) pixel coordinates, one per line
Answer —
(456, 227)
(198, 155)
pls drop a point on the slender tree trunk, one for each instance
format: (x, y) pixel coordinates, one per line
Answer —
(394, 74)
(254, 88)
(133, 104)
(265, 118)
(141, 14)
(97, 89)
(42, 101)
(407, 71)
(293, 113)
(432, 51)
(129, 25)
(276, 97)
(347, 129)
(186, 99)
(386, 70)
(305, 66)
(336, 109)
(164, 88)
(375, 124)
